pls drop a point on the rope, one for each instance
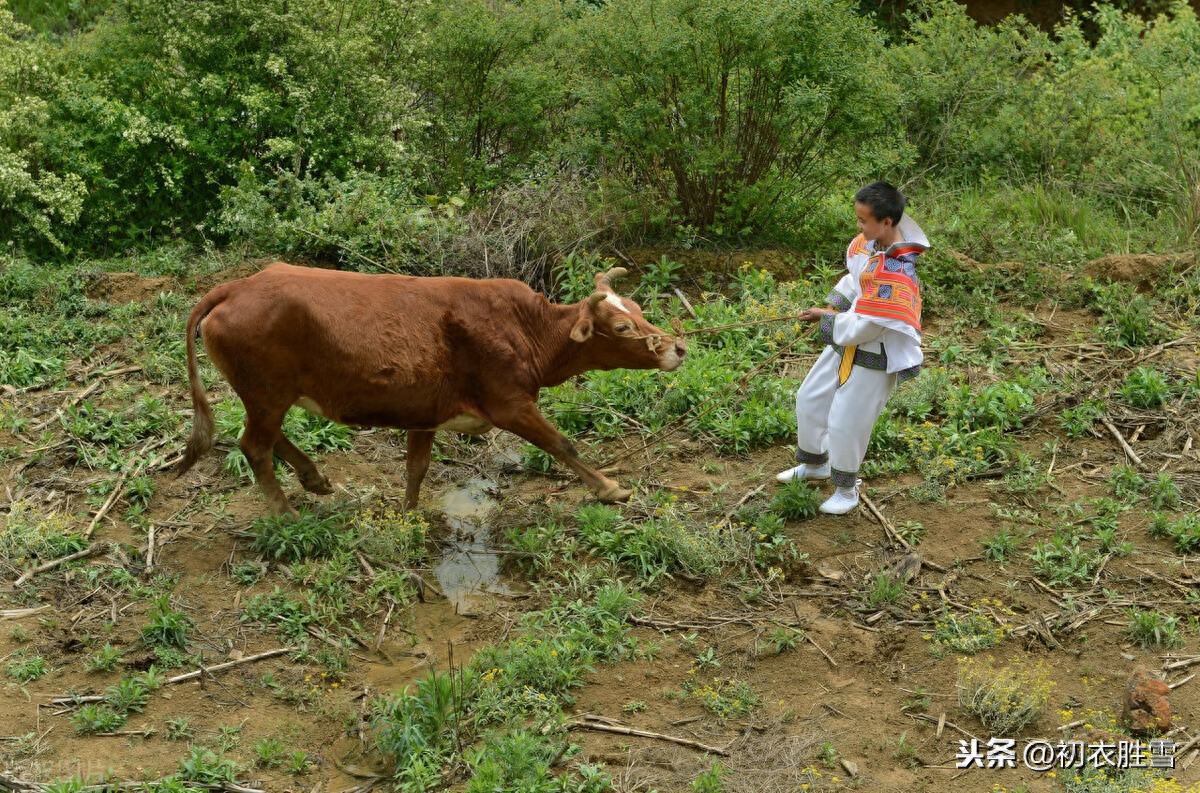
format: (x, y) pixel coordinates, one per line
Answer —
(739, 383)
(740, 325)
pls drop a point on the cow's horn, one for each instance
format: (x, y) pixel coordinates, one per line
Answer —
(596, 299)
(612, 275)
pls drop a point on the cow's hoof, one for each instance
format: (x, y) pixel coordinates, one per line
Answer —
(318, 485)
(615, 495)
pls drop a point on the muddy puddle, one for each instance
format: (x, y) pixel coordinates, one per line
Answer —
(470, 566)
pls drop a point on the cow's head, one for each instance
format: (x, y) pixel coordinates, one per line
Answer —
(617, 334)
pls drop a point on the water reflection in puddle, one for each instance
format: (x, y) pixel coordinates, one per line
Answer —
(471, 565)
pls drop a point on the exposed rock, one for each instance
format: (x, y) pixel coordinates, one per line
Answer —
(1146, 706)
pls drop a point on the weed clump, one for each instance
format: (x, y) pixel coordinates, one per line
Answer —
(1006, 699)
(390, 535)
(796, 500)
(31, 533)
(288, 539)
(1153, 629)
(969, 633)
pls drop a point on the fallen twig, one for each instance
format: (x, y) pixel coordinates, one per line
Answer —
(813, 642)
(749, 495)
(645, 734)
(932, 720)
(16, 614)
(89, 551)
(384, 626)
(210, 669)
(1121, 439)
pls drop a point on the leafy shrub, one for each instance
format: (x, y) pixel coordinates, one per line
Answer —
(1005, 699)
(30, 533)
(796, 500)
(1145, 387)
(969, 633)
(732, 110)
(1153, 629)
(384, 533)
(292, 539)
(167, 627)
(1129, 319)
(1062, 561)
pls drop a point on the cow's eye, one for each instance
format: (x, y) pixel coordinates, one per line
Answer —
(622, 328)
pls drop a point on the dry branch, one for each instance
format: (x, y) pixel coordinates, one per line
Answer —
(89, 551)
(1121, 439)
(210, 669)
(645, 734)
(822, 649)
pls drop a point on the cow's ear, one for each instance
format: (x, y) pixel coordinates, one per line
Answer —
(582, 330)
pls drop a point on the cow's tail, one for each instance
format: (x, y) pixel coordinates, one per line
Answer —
(200, 442)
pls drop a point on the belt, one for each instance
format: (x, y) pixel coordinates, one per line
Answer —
(852, 356)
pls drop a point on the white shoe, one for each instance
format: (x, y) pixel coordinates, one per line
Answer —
(841, 502)
(803, 471)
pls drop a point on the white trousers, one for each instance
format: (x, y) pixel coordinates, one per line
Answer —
(833, 423)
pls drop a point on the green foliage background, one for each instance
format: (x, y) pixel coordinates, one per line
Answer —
(334, 129)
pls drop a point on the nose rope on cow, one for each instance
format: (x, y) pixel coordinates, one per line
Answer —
(739, 383)
(652, 338)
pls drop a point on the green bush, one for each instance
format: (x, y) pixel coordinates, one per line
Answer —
(156, 109)
(738, 112)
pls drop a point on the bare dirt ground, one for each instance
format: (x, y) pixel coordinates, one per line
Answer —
(864, 682)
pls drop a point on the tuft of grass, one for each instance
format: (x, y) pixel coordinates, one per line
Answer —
(289, 539)
(26, 669)
(969, 633)
(92, 719)
(1145, 387)
(269, 753)
(168, 627)
(796, 500)
(207, 767)
(105, 659)
(1000, 546)
(710, 781)
(884, 589)
(180, 729)
(1005, 699)
(1153, 629)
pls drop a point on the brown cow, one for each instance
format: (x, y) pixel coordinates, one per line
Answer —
(420, 354)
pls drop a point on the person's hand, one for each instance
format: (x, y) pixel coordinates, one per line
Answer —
(811, 315)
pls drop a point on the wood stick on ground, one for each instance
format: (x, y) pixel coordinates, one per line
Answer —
(112, 498)
(813, 642)
(89, 551)
(932, 720)
(686, 304)
(150, 549)
(1121, 440)
(749, 495)
(885, 523)
(12, 782)
(16, 614)
(890, 530)
(1164, 579)
(645, 734)
(383, 627)
(1183, 749)
(1187, 679)
(1183, 664)
(210, 669)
